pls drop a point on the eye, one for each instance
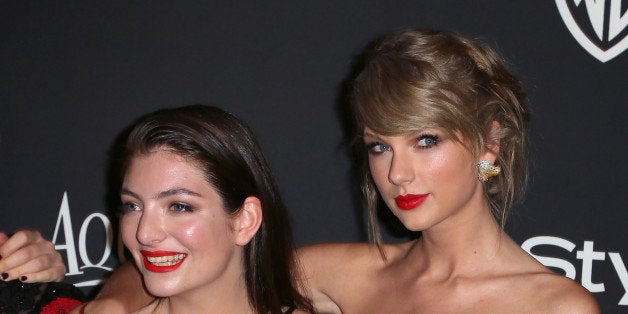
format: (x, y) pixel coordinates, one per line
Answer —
(377, 148)
(180, 207)
(129, 207)
(427, 141)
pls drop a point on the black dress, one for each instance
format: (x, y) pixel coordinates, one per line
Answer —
(52, 297)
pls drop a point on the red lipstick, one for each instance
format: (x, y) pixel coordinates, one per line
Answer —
(410, 201)
(162, 261)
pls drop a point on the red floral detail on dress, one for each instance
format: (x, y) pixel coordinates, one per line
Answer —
(60, 306)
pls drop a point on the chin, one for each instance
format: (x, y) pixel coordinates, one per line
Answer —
(161, 290)
(162, 287)
(415, 226)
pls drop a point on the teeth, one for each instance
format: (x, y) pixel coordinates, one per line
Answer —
(165, 260)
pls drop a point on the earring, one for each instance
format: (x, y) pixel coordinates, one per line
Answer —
(487, 170)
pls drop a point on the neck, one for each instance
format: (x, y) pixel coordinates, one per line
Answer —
(465, 243)
(228, 299)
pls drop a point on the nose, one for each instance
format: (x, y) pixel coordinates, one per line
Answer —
(151, 229)
(401, 169)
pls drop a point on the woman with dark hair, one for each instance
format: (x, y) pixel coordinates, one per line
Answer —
(202, 217)
(441, 127)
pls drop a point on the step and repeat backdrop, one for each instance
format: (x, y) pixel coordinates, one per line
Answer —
(74, 74)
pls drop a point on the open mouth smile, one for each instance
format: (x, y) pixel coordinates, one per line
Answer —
(162, 261)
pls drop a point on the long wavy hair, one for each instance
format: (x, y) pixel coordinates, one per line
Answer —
(224, 148)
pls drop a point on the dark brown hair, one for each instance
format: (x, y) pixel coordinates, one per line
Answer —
(224, 148)
(415, 79)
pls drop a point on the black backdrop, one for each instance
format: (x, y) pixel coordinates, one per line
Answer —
(75, 73)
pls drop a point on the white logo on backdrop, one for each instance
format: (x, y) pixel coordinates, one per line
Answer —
(596, 11)
(588, 255)
(64, 227)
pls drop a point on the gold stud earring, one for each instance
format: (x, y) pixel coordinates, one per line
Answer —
(487, 170)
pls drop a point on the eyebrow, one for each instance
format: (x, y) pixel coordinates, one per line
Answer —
(162, 194)
(369, 134)
(410, 133)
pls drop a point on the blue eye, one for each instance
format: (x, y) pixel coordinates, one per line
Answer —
(377, 148)
(180, 207)
(427, 141)
(129, 207)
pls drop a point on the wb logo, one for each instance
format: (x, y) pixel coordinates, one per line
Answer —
(598, 25)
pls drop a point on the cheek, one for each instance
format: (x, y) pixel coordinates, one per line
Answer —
(442, 166)
(203, 233)
(196, 236)
(452, 169)
(190, 232)
(378, 166)
(128, 230)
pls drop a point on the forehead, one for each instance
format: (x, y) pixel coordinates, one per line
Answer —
(162, 167)
(162, 156)
(168, 154)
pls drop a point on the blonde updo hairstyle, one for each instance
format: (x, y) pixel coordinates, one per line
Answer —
(417, 79)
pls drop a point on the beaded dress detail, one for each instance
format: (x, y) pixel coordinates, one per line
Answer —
(51, 297)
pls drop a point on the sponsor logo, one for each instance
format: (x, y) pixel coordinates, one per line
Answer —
(599, 26)
(588, 256)
(97, 265)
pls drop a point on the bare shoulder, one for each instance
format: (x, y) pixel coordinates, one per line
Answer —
(540, 290)
(331, 261)
(333, 252)
(349, 257)
(327, 272)
(332, 265)
(559, 294)
(334, 273)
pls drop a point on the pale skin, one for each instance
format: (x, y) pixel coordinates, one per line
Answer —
(462, 263)
(27, 256)
(170, 207)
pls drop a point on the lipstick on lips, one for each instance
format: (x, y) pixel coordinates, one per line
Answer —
(162, 261)
(410, 201)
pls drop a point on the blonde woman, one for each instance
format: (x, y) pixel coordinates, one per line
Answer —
(441, 126)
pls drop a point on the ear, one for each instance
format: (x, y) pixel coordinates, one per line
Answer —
(248, 220)
(491, 142)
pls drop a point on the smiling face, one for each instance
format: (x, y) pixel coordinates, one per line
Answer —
(424, 177)
(175, 226)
